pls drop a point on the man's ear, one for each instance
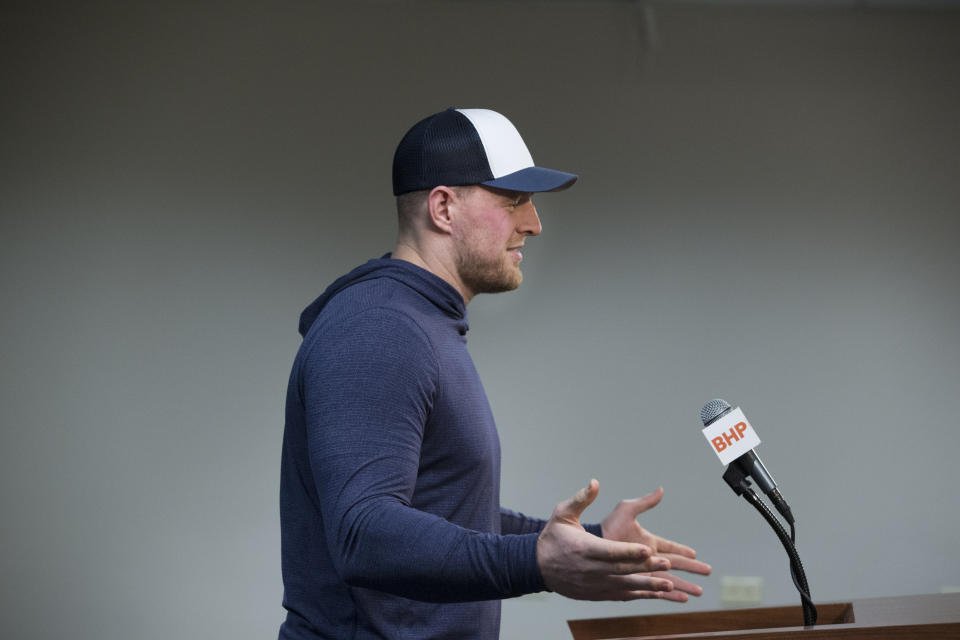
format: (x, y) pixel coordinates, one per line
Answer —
(440, 203)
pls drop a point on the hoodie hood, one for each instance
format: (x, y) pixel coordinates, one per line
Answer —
(430, 286)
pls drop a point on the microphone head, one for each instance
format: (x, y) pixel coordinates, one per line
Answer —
(713, 410)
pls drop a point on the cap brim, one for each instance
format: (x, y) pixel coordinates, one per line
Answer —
(533, 180)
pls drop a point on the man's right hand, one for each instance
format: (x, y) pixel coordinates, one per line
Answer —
(579, 565)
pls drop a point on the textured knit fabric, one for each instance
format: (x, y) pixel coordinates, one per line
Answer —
(389, 500)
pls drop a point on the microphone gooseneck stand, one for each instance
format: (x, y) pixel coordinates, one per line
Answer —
(738, 481)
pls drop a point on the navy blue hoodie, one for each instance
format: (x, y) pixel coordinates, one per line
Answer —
(390, 512)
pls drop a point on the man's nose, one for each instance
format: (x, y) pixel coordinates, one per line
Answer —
(529, 223)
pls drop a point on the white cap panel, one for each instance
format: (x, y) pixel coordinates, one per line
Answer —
(505, 149)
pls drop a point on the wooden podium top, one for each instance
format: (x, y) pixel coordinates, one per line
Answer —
(905, 617)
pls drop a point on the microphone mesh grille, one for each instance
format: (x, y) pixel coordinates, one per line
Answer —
(713, 409)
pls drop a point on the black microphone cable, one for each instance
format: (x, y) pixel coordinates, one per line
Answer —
(738, 481)
(736, 476)
(797, 573)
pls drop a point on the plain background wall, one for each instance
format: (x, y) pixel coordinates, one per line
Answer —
(767, 212)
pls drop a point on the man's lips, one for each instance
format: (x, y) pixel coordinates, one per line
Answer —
(516, 252)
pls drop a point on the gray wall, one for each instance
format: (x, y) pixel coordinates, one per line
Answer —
(767, 212)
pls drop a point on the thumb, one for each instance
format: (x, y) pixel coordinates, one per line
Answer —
(637, 506)
(570, 510)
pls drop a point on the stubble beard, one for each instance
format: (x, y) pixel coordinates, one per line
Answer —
(484, 275)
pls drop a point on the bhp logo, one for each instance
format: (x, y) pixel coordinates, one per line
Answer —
(731, 436)
(727, 438)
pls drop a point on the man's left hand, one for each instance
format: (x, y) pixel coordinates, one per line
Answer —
(622, 525)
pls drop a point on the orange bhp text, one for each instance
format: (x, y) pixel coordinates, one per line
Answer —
(727, 438)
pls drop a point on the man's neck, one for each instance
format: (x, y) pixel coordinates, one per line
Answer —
(410, 253)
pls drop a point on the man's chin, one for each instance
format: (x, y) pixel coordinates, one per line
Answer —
(491, 277)
(512, 279)
(499, 285)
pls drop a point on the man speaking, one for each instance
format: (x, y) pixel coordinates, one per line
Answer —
(390, 509)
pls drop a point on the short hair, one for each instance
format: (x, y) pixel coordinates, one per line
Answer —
(409, 206)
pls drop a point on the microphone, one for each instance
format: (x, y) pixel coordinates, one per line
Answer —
(733, 440)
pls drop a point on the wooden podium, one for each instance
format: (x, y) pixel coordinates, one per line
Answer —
(903, 618)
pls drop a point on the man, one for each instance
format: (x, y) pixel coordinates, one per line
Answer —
(390, 482)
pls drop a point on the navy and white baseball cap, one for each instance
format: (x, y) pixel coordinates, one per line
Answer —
(460, 147)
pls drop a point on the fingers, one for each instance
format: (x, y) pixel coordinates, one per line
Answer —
(625, 595)
(639, 587)
(674, 596)
(669, 546)
(643, 582)
(629, 554)
(683, 563)
(570, 510)
(679, 584)
(630, 557)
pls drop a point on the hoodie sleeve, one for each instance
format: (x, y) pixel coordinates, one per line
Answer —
(368, 390)
(514, 522)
